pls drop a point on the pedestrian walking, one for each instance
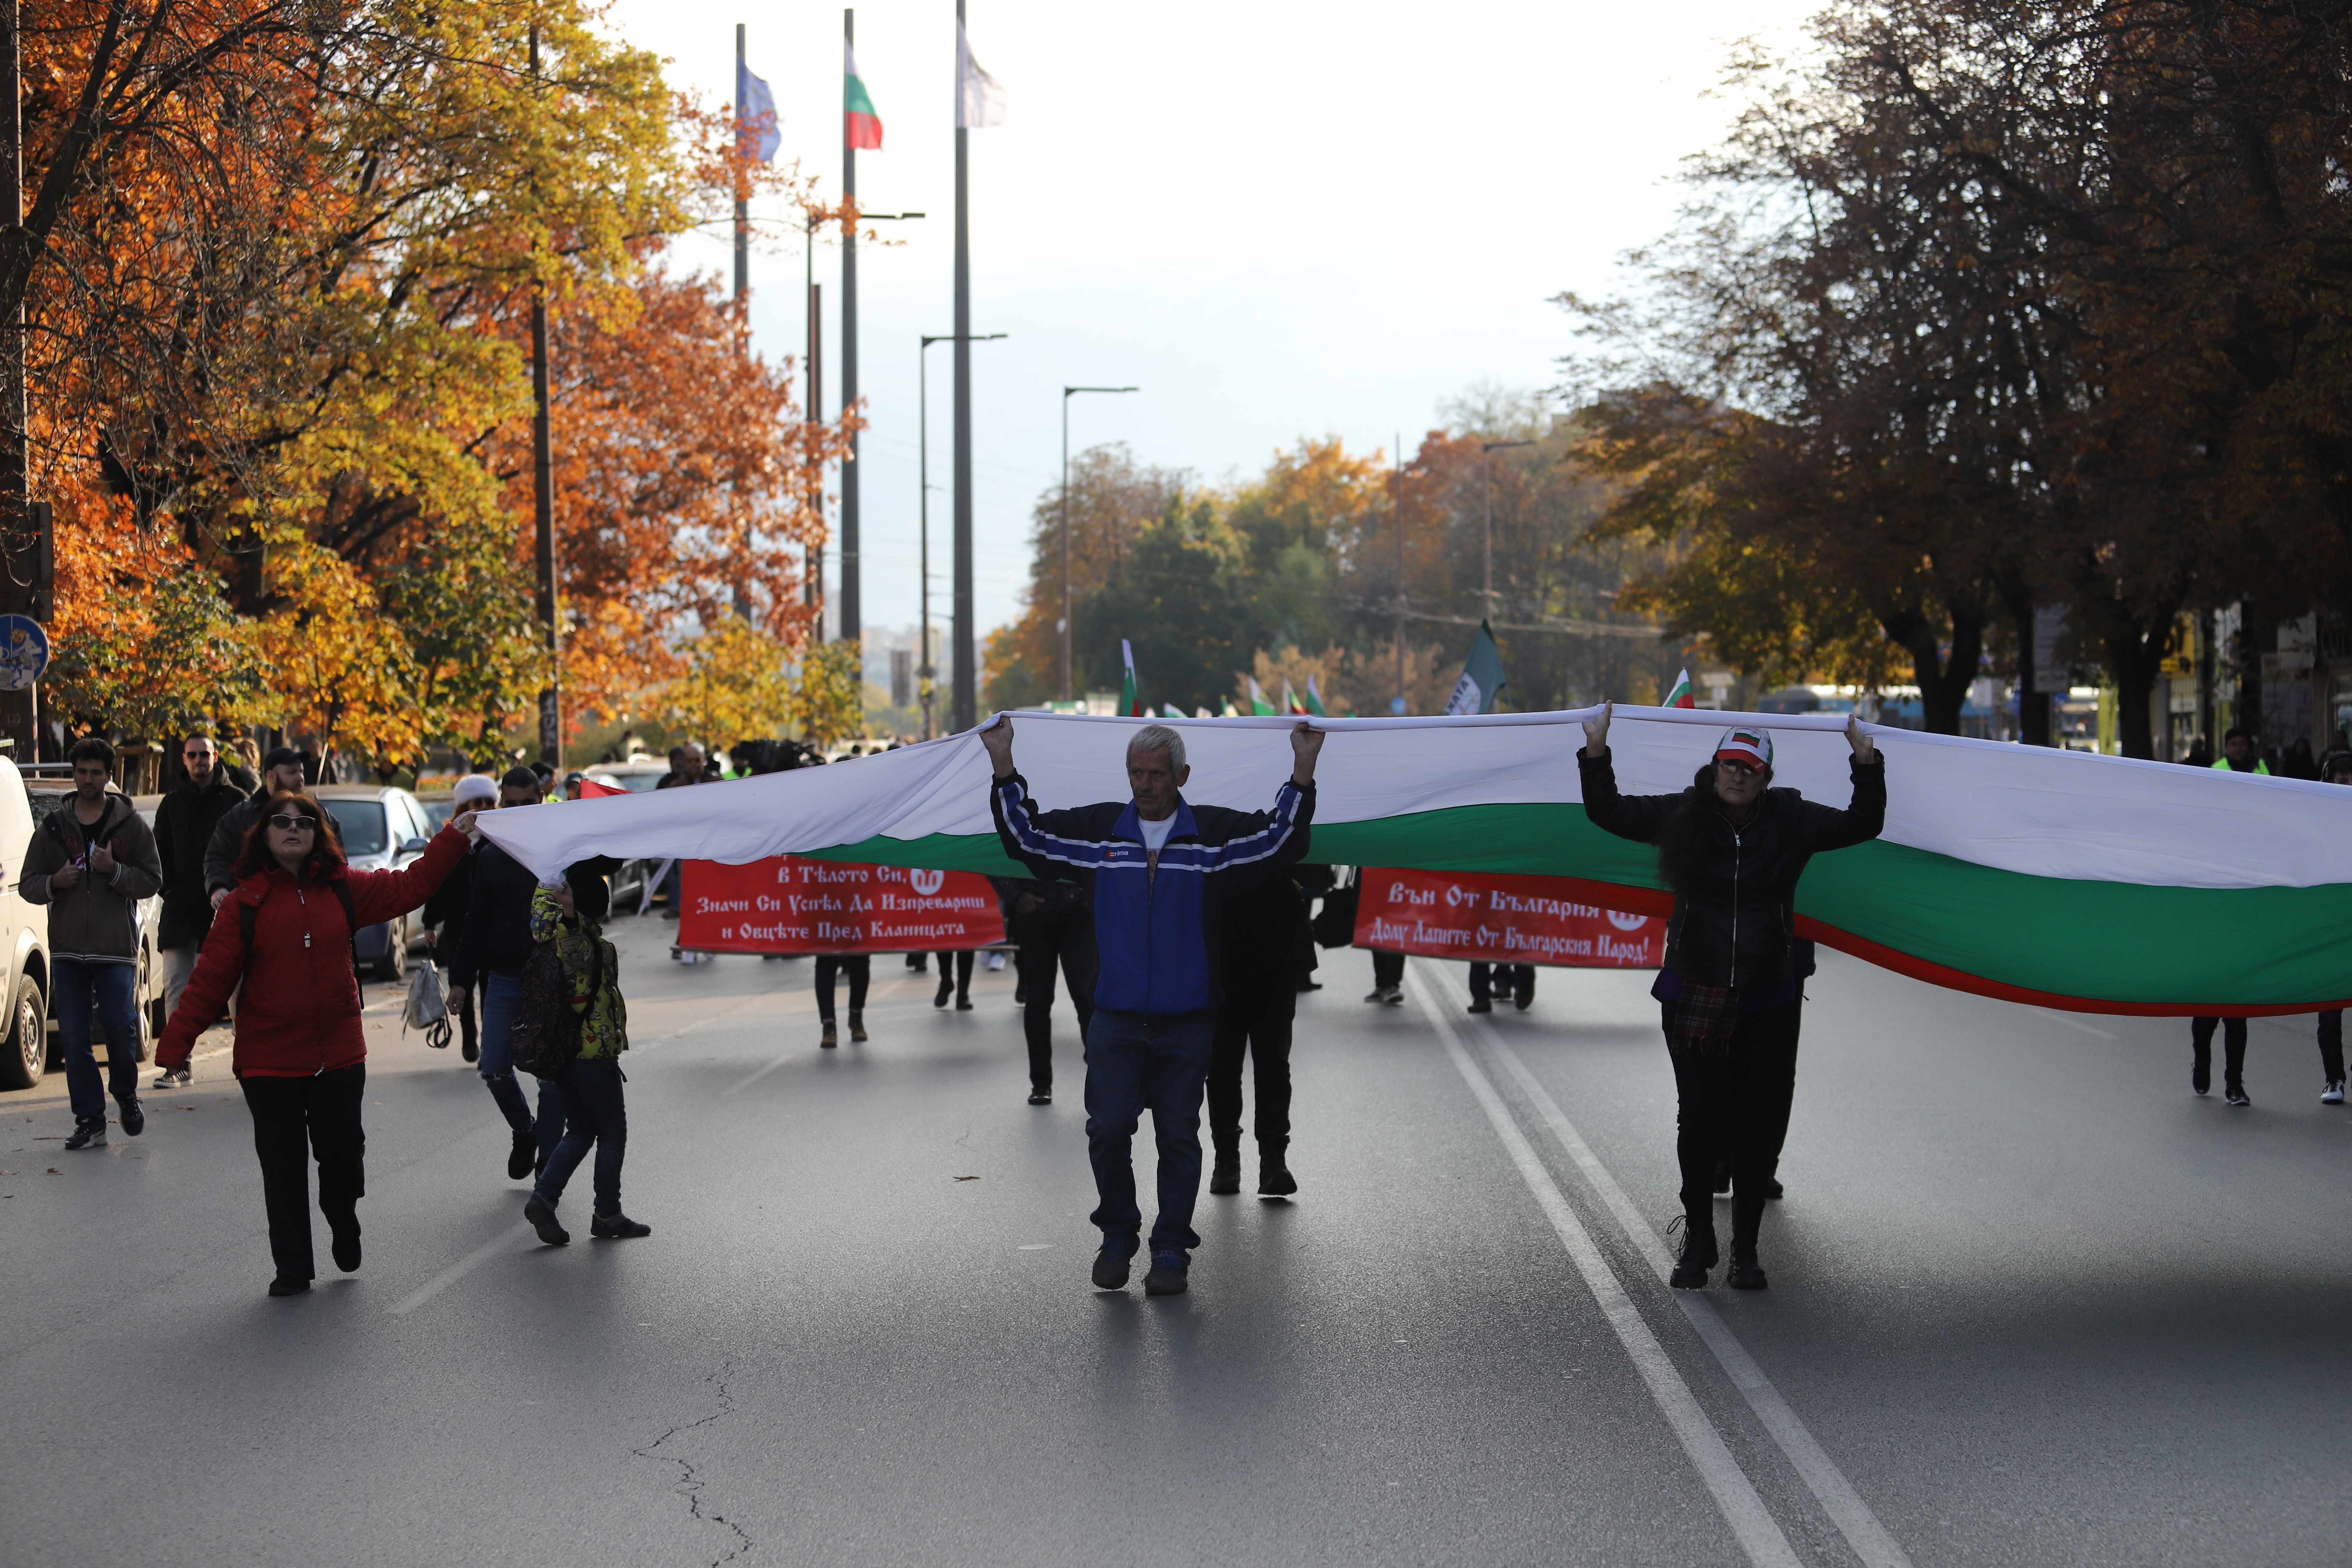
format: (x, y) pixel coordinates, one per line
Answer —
(1515, 981)
(445, 911)
(2335, 768)
(1262, 960)
(1156, 987)
(285, 934)
(492, 950)
(92, 863)
(1053, 926)
(1732, 849)
(595, 1114)
(685, 768)
(282, 773)
(184, 824)
(955, 985)
(859, 968)
(1387, 979)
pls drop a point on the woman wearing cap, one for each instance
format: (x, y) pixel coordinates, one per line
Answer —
(1732, 851)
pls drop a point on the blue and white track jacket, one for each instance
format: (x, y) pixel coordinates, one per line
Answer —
(1158, 939)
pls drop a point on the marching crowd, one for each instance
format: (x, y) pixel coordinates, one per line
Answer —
(1178, 931)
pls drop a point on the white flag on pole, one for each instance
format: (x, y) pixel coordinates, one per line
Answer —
(979, 100)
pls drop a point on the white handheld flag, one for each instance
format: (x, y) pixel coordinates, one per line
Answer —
(979, 100)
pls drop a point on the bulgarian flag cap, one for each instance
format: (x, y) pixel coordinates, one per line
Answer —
(1750, 747)
(1680, 697)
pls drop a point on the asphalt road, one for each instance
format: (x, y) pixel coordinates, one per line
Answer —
(2032, 1302)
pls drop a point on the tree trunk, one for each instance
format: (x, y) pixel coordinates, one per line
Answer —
(1943, 682)
(2032, 706)
(2134, 657)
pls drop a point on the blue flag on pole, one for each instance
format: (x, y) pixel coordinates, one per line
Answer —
(755, 115)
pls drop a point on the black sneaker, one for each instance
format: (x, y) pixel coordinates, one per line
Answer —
(1111, 1266)
(542, 1220)
(133, 1120)
(2200, 1077)
(1482, 1006)
(1040, 1097)
(281, 1286)
(963, 1003)
(1168, 1275)
(1274, 1177)
(1226, 1176)
(616, 1227)
(174, 1077)
(346, 1251)
(2235, 1094)
(90, 1134)
(519, 1158)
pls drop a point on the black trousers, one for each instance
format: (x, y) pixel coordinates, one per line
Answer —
(294, 1120)
(858, 966)
(1737, 1101)
(2331, 1044)
(466, 1023)
(964, 975)
(2233, 1046)
(1515, 979)
(1257, 1023)
(1388, 969)
(1047, 938)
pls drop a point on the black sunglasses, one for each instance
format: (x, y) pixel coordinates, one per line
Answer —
(290, 822)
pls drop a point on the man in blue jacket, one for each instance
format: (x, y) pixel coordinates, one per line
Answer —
(1156, 990)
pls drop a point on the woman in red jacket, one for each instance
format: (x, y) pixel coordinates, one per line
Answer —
(285, 933)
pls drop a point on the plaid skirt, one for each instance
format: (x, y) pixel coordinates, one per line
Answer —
(1699, 1022)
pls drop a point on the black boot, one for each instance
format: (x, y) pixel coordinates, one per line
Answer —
(1698, 1245)
(1274, 1177)
(1226, 1176)
(1746, 1217)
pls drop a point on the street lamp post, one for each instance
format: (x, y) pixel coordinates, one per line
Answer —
(924, 671)
(1487, 469)
(1068, 393)
(813, 326)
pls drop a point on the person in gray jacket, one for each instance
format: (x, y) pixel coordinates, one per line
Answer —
(92, 862)
(281, 772)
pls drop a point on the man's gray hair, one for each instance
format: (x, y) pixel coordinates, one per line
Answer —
(1159, 737)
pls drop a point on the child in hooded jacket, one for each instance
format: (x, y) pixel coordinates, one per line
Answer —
(570, 916)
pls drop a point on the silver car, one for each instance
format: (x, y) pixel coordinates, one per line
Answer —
(384, 828)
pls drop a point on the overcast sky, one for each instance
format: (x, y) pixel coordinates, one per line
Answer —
(1278, 219)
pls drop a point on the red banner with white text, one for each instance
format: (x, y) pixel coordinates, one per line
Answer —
(1501, 920)
(790, 905)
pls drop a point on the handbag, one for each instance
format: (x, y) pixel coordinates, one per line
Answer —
(1334, 922)
(427, 1007)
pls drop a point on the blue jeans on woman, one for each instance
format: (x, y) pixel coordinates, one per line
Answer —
(111, 991)
(593, 1112)
(501, 1000)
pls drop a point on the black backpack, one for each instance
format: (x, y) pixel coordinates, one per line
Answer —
(548, 1026)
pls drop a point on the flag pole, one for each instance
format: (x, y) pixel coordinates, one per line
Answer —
(742, 184)
(851, 620)
(966, 711)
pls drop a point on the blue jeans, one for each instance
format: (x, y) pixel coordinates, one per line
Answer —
(111, 991)
(1137, 1061)
(501, 999)
(593, 1112)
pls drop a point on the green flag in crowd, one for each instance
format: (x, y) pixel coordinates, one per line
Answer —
(1481, 686)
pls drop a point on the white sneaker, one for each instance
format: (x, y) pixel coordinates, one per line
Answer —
(2334, 1093)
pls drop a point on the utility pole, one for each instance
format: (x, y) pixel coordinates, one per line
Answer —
(24, 527)
(965, 711)
(1396, 465)
(1486, 471)
(852, 621)
(1067, 392)
(742, 184)
(927, 672)
(543, 463)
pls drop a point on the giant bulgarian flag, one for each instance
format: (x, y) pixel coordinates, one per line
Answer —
(2079, 881)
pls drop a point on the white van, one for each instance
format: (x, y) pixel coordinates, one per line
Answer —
(24, 941)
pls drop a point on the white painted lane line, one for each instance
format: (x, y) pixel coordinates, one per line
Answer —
(1870, 1540)
(2070, 1023)
(1759, 1533)
(502, 1242)
(764, 1071)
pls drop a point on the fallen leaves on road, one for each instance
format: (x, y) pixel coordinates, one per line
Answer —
(53, 1170)
(967, 1178)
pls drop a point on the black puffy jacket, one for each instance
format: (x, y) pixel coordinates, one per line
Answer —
(497, 936)
(1737, 926)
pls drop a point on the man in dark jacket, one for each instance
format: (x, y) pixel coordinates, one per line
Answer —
(1266, 952)
(1052, 925)
(1733, 850)
(492, 950)
(445, 911)
(92, 863)
(281, 770)
(184, 824)
(1156, 990)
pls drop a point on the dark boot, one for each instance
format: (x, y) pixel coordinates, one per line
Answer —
(1698, 1245)
(1225, 1175)
(1274, 1177)
(1747, 1218)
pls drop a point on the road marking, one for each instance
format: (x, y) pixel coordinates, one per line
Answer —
(1870, 1540)
(2070, 1023)
(1759, 1533)
(499, 1243)
(764, 1071)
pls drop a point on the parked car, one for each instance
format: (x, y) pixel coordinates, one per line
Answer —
(150, 992)
(24, 940)
(383, 827)
(637, 776)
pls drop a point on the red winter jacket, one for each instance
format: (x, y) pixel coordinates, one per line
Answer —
(300, 1011)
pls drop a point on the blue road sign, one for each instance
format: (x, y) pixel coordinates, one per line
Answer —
(24, 652)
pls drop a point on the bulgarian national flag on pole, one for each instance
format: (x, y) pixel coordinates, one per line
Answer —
(860, 126)
(1314, 699)
(1680, 697)
(1259, 706)
(1290, 703)
(1129, 704)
